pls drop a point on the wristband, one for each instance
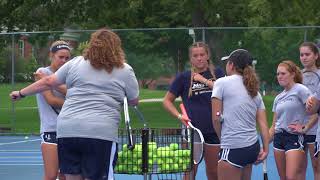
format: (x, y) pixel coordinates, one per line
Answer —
(180, 116)
(21, 95)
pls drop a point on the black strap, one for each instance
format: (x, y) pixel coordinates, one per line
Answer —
(54, 109)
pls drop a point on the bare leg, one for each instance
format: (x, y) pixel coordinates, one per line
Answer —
(280, 159)
(228, 171)
(315, 166)
(211, 159)
(246, 172)
(294, 165)
(50, 161)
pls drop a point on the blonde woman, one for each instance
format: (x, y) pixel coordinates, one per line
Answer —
(194, 87)
(49, 105)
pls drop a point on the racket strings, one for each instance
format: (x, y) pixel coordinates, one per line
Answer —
(197, 147)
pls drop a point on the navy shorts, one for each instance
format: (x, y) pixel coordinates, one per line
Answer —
(240, 157)
(284, 141)
(49, 138)
(309, 139)
(316, 149)
(91, 158)
(211, 138)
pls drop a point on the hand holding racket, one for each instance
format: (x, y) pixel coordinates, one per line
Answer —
(127, 122)
(197, 138)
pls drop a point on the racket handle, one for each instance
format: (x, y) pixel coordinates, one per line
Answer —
(264, 167)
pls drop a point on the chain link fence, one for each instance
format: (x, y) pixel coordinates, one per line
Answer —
(155, 54)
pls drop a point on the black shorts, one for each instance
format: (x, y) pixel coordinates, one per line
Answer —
(284, 141)
(316, 149)
(310, 139)
(49, 138)
(240, 157)
(211, 138)
(91, 158)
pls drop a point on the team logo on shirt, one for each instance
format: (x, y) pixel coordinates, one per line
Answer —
(200, 88)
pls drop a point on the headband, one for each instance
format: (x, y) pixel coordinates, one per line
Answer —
(59, 47)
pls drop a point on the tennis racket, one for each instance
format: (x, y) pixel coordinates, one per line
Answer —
(197, 137)
(311, 79)
(138, 112)
(127, 122)
(264, 167)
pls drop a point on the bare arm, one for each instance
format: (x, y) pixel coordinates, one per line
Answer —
(168, 101)
(263, 126)
(39, 75)
(43, 84)
(200, 78)
(52, 100)
(216, 115)
(272, 128)
(312, 105)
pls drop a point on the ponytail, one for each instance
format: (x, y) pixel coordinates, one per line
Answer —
(250, 81)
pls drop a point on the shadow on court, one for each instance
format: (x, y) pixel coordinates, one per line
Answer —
(20, 158)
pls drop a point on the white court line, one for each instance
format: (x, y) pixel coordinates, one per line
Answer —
(20, 161)
(17, 152)
(20, 157)
(22, 150)
(21, 164)
(17, 142)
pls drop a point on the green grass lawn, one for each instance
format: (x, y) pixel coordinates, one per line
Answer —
(24, 119)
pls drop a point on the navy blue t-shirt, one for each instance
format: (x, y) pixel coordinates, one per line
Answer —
(198, 105)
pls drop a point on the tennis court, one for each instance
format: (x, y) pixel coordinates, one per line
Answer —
(20, 158)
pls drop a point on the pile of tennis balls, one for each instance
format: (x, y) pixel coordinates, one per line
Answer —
(165, 159)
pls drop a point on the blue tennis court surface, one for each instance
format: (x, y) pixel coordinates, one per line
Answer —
(20, 158)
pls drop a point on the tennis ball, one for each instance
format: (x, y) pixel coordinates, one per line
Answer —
(124, 147)
(179, 153)
(26, 137)
(174, 146)
(175, 167)
(186, 152)
(138, 148)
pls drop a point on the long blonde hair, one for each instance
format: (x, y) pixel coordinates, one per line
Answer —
(210, 65)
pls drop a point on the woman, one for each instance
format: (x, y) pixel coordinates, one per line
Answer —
(289, 110)
(49, 105)
(237, 98)
(194, 87)
(310, 59)
(87, 128)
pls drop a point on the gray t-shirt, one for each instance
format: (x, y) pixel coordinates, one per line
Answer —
(317, 96)
(48, 114)
(289, 107)
(311, 83)
(238, 129)
(94, 99)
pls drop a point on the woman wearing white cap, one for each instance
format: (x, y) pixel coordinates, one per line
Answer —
(236, 97)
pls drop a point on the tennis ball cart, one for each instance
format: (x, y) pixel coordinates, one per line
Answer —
(154, 153)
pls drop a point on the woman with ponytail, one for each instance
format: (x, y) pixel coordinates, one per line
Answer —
(289, 110)
(194, 87)
(237, 107)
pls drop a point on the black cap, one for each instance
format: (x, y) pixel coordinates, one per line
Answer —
(240, 58)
